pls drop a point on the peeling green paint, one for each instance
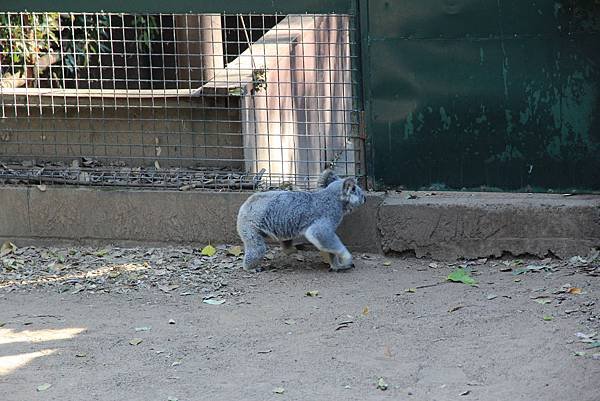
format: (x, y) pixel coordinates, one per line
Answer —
(409, 128)
(509, 121)
(511, 105)
(445, 118)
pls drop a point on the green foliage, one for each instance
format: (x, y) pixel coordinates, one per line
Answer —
(76, 38)
(24, 37)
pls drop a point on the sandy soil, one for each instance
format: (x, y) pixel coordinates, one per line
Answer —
(518, 335)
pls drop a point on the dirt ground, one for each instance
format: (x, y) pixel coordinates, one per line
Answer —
(114, 324)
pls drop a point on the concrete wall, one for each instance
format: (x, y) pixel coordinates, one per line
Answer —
(175, 131)
(444, 226)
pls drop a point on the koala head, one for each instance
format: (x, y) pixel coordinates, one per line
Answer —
(352, 194)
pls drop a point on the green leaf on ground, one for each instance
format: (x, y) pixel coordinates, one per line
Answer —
(548, 318)
(461, 276)
(209, 250)
(101, 253)
(313, 293)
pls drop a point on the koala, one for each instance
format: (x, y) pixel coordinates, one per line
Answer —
(287, 215)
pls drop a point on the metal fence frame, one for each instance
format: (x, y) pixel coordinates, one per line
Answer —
(86, 171)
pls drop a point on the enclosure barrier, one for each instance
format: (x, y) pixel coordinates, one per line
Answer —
(226, 101)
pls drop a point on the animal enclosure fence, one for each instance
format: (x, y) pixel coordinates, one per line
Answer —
(225, 101)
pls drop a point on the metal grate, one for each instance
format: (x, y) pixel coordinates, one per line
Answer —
(190, 100)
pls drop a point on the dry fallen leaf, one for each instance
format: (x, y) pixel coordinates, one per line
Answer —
(235, 250)
(214, 301)
(326, 257)
(278, 390)
(574, 290)
(41, 187)
(135, 341)
(144, 328)
(455, 308)
(44, 387)
(365, 311)
(6, 248)
(167, 288)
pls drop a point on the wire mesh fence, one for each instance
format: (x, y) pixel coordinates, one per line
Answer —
(178, 100)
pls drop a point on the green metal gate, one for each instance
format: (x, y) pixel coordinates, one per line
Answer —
(483, 94)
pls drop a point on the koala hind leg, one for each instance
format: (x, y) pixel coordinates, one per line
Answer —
(254, 249)
(326, 240)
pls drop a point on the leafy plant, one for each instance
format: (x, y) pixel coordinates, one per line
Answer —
(75, 38)
(24, 37)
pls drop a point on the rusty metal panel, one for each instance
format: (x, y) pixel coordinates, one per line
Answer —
(482, 94)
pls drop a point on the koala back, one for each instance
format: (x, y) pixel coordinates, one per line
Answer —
(287, 214)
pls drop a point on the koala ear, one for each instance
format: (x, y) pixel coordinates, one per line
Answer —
(349, 184)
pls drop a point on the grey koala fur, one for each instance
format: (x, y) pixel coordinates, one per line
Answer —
(288, 215)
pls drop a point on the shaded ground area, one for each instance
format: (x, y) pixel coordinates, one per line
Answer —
(151, 324)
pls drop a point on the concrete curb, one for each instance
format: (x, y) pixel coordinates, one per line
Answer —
(452, 225)
(442, 226)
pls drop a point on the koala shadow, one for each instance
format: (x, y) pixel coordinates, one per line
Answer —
(304, 259)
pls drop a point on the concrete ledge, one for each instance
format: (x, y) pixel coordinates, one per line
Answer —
(443, 226)
(63, 215)
(454, 225)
